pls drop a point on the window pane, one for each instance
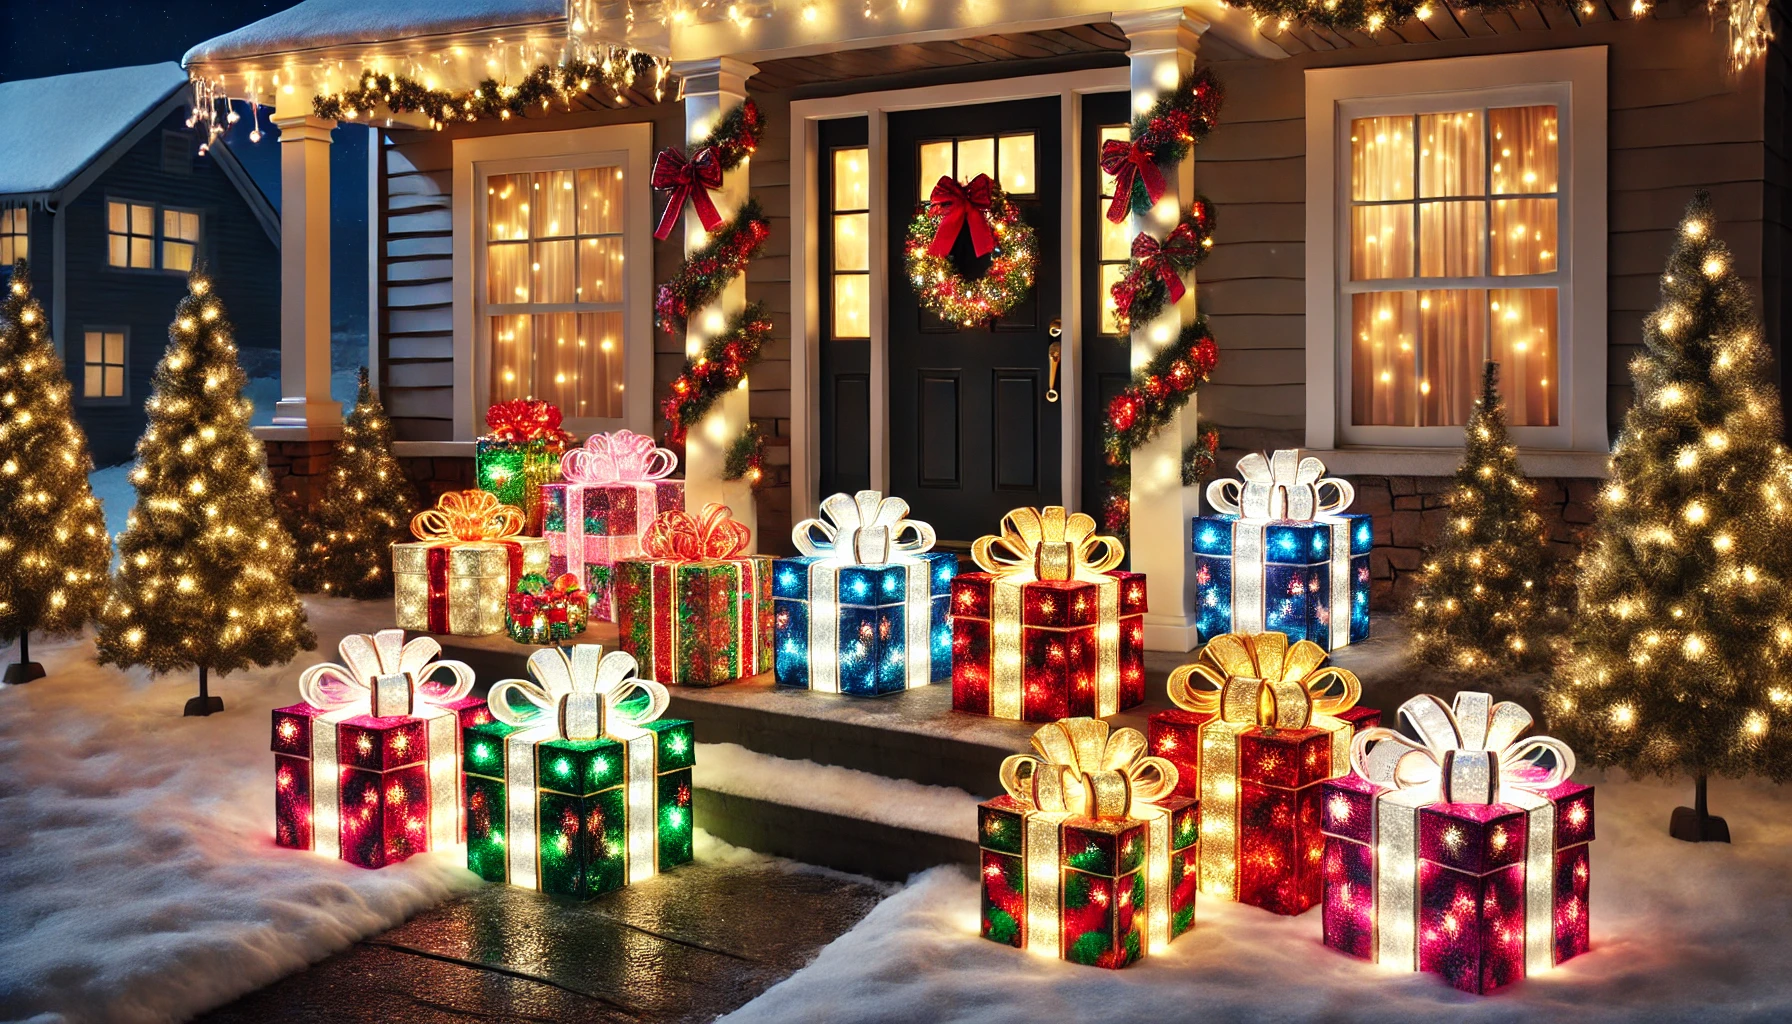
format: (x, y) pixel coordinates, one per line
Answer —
(1450, 152)
(976, 156)
(1381, 242)
(1381, 158)
(851, 241)
(96, 347)
(177, 256)
(852, 306)
(507, 272)
(1382, 364)
(1118, 132)
(143, 252)
(1016, 162)
(1524, 344)
(600, 201)
(1116, 239)
(1110, 274)
(1524, 236)
(852, 178)
(143, 220)
(600, 356)
(553, 269)
(1453, 340)
(114, 349)
(1524, 144)
(114, 383)
(118, 250)
(555, 203)
(557, 364)
(6, 250)
(171, 224)
(511, 349)
(115, 218)
(189, 226)
(600, 270)
(507, 206)
(936, 163)
(94, 384)
(1450, 238)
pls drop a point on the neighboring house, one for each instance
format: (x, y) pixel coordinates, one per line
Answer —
(1352, 288)
(103, 191)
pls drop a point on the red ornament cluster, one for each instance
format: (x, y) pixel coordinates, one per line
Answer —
(1158, 390)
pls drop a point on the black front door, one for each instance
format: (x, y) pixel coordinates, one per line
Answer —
(972, 432)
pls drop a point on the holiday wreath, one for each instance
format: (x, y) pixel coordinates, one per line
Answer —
(995, 226)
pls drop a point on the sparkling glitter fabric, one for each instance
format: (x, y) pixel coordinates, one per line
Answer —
(695, 610)
(615, 487)
(457, 576)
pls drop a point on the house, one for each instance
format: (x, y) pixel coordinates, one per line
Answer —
(104, 192)
(1396, 202)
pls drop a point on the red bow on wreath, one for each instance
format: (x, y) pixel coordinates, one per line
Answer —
(687, 179)
(958, 206)
(1166, 259)
(1131, 164)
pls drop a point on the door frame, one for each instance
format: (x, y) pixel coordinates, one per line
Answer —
(805, 285)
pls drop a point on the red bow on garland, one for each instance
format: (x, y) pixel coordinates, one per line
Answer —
(960, 206)
(1131, 164)
(521, 419)
(687, 179)
(1168, 258)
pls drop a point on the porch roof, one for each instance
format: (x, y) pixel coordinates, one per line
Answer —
(318, 24)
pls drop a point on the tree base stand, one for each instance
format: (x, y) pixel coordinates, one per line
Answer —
(199, 707)
(1688, 825)
(23, 672)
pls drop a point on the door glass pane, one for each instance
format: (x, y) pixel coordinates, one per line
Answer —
(507, 272)
(1524, 344)
(936, 163)
(1524, 236)
(1450, 155)
(1016, 163)
(1450, 238)
(555, 204)
(1110, 274)
(115, 218)
(852, 178)
(1452, 330)
(1383, 362)
(511, 346)
(600, 270)
(553, 270)
(1118, 132)
(976, 156)
(1381, 242)
(852, 306)
(1525, 151)
(851, 235)
(1381, 158)
(507, 207)
(1116, 239)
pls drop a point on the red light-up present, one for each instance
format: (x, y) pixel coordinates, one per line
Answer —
(1464, 853)
(696, 610)
(1049, 629)
(1261, 724)
(367, 768)
(1090, 856)
(615, 487)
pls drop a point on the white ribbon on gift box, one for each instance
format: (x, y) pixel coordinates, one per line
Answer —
(1469, 753)
(865, 529)
(383, 676)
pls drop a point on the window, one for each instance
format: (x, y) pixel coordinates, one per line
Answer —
(15, 236)
(1007, 159)
(132, 239)
(852, 243)
(103, 364)
(553, 291)
(1116, 245)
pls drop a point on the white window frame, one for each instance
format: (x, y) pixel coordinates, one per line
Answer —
(1574, 80)
(629, 146)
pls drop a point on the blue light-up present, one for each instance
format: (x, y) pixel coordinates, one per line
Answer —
(1280, 558)
(864, 610)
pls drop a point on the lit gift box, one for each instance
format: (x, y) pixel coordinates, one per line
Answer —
(1262, 724)
(578, 787)
(863, 610)
(1090, 856)
(519, 453)
(696, 610)
(456, 578)
(367, 768)
(1049, 629)
(1281, 557)
(1463, 853)
(540, 612)
(615, 487)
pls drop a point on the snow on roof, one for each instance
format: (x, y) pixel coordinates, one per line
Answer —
(54, 127)
(316, 23)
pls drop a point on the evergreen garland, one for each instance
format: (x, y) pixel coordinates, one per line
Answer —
(1179, 119)
(745, 458)
(708, 270)
(1159, 390)
(1361, 15)
(716, 370)
(736, 136)
(346, 537)
(403, 94)
(1142, 293)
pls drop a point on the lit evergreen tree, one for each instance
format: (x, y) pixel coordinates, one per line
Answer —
(346, 540)
(1681, 656)
(1482, 606)
(53, 545)
(205, 579)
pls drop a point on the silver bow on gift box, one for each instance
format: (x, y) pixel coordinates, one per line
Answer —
(866, 528)
(1474, 752)
(582, 694)
(383, 676)
(1280, 486)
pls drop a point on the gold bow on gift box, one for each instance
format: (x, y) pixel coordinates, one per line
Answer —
(1260, 679)
(1080, 767)
(468, 516)
(1047, 544)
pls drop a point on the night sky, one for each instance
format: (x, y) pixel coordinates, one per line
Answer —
(39, 38)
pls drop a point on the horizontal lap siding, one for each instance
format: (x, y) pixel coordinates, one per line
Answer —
(768, 281)
(1678, 121)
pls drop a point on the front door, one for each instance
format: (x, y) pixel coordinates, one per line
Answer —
(975, 428)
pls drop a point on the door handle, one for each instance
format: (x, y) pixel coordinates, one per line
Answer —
(1056, 352)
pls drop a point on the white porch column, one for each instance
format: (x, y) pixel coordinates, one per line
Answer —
(1163, 50)
(712, 88)
(305, 401)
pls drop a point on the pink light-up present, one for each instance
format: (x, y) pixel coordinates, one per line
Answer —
(615, 485)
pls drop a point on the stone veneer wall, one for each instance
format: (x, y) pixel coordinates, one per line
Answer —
(1411, 512)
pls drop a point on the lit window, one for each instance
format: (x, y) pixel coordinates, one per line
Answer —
(553, 296)
(1116, 244)
(180, 239)
(1454, 229)
(103, 364)
(1009, 161)
(851, 243)
(15, 239)
(131, 235)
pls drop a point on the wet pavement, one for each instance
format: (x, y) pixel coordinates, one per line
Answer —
(685, 946)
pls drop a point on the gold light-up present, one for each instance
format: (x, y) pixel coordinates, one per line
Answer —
(456, 576)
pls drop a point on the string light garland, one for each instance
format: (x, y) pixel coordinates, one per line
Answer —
(717, 369)
(704, 273)
(1160, 138)
(1680, 650)
(981, 210)
(204, 575)
(1153, 276)
(54, 550)
(346, 534)
(490, 100)
(745, 457)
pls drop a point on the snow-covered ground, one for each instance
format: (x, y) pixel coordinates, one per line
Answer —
(1680, 932)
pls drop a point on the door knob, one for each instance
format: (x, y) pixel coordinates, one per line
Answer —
(1056, 353)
